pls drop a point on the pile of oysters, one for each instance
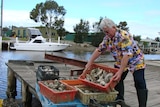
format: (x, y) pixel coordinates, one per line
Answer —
(55, 85)
(89, 90)
(99, 76)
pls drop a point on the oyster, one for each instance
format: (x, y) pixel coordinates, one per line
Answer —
(108, 77)
(56, 85)
(90, 78)
(99, 72)
(103, 83)
(100, 76)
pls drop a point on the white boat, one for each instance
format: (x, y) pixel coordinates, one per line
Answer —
(37, 42)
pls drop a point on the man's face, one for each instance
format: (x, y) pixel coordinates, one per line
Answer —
(109, 31)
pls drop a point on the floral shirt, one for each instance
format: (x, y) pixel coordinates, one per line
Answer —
(121, 44)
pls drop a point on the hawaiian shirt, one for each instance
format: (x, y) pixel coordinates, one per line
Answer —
(121, 44)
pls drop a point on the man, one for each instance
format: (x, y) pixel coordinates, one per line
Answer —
(128, 57)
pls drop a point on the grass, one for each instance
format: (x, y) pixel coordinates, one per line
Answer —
(23, 39)
(5, 38)
(8, 38)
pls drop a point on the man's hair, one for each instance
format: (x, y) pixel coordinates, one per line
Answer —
(106, 23)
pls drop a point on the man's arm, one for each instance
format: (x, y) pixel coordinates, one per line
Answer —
(94, 56)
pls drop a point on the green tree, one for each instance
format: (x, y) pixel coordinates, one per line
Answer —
(49, 14)
(157, 39)
(96, 25)
(58, 25)
(97, 38)
(137, 38)
(98, 35)
(123, 25)
(81, 31)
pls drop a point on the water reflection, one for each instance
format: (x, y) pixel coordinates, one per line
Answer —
(30, 55)
(80, 56)
(152, 57)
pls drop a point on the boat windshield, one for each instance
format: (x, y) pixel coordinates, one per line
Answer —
(38, 41)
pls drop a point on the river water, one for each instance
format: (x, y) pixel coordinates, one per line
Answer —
(32, 55)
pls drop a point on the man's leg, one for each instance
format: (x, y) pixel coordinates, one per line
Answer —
(140, 85)
(120, 87)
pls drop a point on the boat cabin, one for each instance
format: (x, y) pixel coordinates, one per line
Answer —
(33, 32)
(35, 35)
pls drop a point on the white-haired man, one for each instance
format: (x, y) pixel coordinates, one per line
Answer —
(128, 58)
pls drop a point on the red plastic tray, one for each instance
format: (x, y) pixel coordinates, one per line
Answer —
(72, 82)
(108, 87)
(57, 96)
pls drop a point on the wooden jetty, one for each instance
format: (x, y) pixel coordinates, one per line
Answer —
(25, 72)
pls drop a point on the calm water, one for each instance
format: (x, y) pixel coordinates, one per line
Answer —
(28, 55)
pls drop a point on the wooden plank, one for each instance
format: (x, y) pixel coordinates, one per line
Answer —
(65, 60)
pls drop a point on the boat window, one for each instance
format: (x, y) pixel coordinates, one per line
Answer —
(37, 41)
(33, 36)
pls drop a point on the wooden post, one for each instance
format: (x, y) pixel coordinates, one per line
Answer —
(11, 88)
(26, 96)
(8, 46)
(1, 41)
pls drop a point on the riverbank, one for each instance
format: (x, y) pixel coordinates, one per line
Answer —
(79, 46)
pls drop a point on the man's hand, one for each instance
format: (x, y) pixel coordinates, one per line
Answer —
(87, 67)
(117, 76)
(124, 62)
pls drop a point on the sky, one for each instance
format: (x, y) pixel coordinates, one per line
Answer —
(142, 16)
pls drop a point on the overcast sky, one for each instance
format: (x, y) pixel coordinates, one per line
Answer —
(142, 16)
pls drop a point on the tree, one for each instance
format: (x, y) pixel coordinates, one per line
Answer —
(98, 35)
(58, 25)
(137, 38)
(123, 25)
(96, 25)
(50, 14)
(157, 39)
(81, 31)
